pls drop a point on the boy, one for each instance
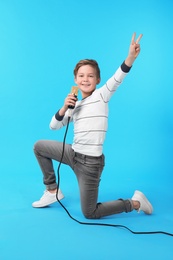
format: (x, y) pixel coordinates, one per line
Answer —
(85, 155)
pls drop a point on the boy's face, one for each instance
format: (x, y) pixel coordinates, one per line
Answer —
(86, 79)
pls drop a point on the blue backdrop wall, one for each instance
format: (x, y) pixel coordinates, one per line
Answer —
(40, 43)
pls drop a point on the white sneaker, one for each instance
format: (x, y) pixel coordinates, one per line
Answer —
(47, 199)
(145, 205)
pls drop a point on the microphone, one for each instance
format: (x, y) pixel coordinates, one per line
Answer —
(74, 90)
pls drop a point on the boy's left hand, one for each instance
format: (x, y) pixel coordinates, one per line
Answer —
(134, 50)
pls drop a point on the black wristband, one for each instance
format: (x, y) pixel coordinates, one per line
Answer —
(125, 68)
(58, 117)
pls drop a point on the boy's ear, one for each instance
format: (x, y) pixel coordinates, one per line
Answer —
(98, 81)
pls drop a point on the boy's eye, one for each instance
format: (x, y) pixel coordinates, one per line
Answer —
(81, 76)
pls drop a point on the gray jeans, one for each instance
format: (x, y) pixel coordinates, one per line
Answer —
(88, 171)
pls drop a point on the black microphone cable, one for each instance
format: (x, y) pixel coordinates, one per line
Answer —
(96, 223)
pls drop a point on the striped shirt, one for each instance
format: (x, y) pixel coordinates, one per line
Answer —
(90, 116)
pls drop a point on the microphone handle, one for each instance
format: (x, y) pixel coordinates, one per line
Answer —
(70, 106)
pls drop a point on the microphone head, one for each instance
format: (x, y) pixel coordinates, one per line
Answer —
(74, 90)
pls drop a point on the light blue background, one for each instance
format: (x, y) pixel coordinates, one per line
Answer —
(40, 43)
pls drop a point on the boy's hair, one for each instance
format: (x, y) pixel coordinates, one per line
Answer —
(92, 63)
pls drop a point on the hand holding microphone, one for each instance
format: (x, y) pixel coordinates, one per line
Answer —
(70, 101)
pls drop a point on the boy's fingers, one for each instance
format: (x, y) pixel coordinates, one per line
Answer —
(133, 38)
(140, 36)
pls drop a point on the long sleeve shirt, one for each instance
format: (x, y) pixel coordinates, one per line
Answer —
(90, 116)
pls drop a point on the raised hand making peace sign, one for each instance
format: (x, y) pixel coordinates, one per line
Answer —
(134, 50)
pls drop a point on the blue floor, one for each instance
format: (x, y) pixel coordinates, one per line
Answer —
(49, 233)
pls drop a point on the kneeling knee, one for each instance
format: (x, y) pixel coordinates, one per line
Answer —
(37, 146)
(90, 215)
